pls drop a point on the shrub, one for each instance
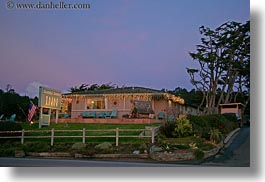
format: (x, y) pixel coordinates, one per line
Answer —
(216, 136)
(230, 117)
(198, 121)
(205, 146)
(200, 126)
(62, 147)
(10, 126)
(183, 127)
(198, 154)
(8, 152)
(36, 147)
(183, 147)
(143, 147)
(167, 129)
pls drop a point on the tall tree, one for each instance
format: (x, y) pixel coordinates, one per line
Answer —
(224, 59)
(86, 87)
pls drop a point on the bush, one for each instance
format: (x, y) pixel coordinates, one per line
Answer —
(182, 147)
(10, 126)
(230, 117)
(36, 147)
(183, 127)
(216, 136)
(167, 129)
(143, 147)
(198, 121)
(202, 125)
(205, 146)
(198, 154)
(62, 147)
(8, 152)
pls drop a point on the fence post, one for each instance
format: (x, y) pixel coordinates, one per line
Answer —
(117, 137)
(52, 137)
(153, 134)
(84, 135)
(22, 136)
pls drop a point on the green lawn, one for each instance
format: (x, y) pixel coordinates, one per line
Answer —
(87, 126)
(102, 136)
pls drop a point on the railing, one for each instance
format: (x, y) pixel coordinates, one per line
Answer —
(51, 134)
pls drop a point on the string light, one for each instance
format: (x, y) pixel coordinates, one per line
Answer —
(131, 96)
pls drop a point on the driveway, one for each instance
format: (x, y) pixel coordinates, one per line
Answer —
(236, 153)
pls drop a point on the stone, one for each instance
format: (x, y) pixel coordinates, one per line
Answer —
(20, 153)
(104, 146)
(78, 146)
(136, 152)
(155, 149)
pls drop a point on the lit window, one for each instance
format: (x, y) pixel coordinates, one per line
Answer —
(169, 103)
(96, 103)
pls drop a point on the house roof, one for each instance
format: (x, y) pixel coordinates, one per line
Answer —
(156, 94)
(124, 90)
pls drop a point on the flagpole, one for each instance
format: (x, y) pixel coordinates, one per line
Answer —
(22, 111)
(33, 105)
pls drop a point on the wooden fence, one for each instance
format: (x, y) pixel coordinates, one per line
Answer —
(151, 133)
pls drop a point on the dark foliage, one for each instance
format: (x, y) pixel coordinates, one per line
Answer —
(167, 129)
(10, 126)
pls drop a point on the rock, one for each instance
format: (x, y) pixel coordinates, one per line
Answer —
(20, 153)
(103, 146)
(155, 149)
(78, 146)
(136, 152)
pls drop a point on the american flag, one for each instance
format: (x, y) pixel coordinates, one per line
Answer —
(32, 109)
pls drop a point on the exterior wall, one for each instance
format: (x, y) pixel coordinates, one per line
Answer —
(78, 105)
(112, 120)
(159, 105)
(163, 106)
(231, 108)
(123, 105)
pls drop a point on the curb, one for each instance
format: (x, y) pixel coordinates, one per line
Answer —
(230, 135)
(101, 156)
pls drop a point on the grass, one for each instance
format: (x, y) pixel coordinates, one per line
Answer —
(87, 126)
(184, 140)
(103, 136)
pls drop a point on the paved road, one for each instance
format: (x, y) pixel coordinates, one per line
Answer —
(34, 162)
(236, 154)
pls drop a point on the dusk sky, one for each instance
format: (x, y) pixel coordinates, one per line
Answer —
(125, 42)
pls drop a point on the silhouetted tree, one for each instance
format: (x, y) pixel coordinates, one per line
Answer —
(224, 60)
